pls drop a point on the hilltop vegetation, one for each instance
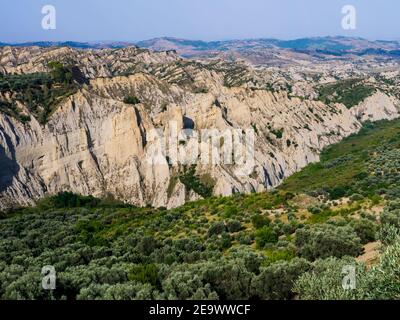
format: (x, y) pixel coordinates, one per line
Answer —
(350, 92)
(39, 92)
(287, 243)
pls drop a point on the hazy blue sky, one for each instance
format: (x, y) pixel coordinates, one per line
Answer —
(131, 20)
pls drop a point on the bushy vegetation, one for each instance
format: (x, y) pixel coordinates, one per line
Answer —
(381, 281)
(350, 92)
(202, 185)
(39, 92)
(327, 240)
(72, 200)
(288, 243)
(364, 164)
(131, 100)
(276, 281)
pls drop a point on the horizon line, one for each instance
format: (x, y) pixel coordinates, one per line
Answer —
(193, 39)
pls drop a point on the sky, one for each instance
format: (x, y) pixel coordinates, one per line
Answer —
(133, 20)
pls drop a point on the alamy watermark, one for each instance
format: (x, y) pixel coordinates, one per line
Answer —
(349, 21)
(49, 278)
(349, 279)
(49, 21)
(175, 147)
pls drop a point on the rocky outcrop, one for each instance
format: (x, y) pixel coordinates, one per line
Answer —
(379, 106)
(93, 63)
(96, 144)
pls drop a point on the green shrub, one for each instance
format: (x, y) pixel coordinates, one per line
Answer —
(71, 200)
(314, 209)
(388, 234)
(356, 197)
(337, 192)
(201, 185)
(365, 230)
(186, 285)
(131, 100)
(322, 241)
(260, 221)
(278, 133)
(289, 228)
(276, 281)
(233, 226)
(230, 212)
(120, 291)
(275, 255)
(380, 282)
(324, 280)
(217, 228)
(244, 239)
(147, 273)
(391, 214)
(60, 73)
(265, 235)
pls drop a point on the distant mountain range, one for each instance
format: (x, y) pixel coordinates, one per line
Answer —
(322, 43)
(71, 44)
(335, 46)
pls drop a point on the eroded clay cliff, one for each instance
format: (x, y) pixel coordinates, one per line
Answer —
(96, 144)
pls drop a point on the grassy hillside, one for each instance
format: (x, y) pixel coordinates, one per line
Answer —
(277, 245)
(362, 163)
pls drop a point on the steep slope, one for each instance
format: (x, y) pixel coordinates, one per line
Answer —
(96, 144)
